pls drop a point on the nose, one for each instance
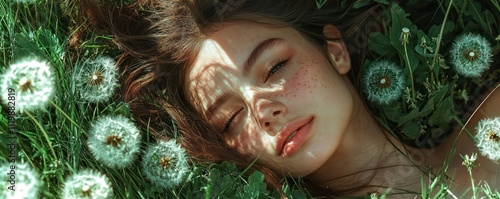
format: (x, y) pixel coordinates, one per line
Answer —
(270, 114)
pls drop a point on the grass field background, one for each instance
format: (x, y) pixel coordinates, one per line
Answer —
(53, 141)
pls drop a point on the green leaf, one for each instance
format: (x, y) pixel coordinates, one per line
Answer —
(379, 43)
(223, 180)
(449, 27)
(425, 47)
(428, 108)
(490, 20)
(297, 194)
(443, 113)
(256, 187)
(393, 112)
(411, 129)
(42, 43)
(320, 3)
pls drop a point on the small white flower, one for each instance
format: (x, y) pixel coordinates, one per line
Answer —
(488, 138)
(471, 55)
(97, 79)
(470, 162)
(19, 180)
(87, 184)
(114, 141)
(32, 82)
(165, 164)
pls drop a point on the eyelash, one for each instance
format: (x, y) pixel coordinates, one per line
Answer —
(276, 67)
(229, 121)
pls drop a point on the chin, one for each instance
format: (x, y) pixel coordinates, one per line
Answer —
(308, 161)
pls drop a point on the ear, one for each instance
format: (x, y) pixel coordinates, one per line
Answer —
(337, 49)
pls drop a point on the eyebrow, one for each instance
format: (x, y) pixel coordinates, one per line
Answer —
(247, 66)
(257, 51)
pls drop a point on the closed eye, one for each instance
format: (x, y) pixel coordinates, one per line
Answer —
(276, 68)
(229, 122)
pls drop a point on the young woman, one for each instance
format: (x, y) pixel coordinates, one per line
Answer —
(273, 81)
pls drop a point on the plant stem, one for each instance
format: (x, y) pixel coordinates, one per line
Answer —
(440, 36)
(44, 134)
(65, 115)
(463, 127)
(473, 185)
(411, 71)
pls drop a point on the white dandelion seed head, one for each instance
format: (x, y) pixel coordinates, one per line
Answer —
(97, 79)
(165, 164)
(488, 138)
(33, 84)
(383, 82)
(114, 141)
(471, 55)
(26, 182)
(87, 184)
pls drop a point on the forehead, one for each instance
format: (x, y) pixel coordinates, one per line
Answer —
(221, 57)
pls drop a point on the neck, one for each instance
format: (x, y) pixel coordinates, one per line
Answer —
(368, 158)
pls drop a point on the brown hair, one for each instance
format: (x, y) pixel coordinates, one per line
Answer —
(160, 39)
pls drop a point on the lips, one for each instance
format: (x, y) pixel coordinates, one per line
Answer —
(293, 135)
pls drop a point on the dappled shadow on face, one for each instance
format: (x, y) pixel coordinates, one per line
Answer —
(216, 71)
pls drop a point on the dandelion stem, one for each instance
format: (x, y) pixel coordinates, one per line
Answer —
(44, 134)
(440, 36)
(473, 185)
(410, 69)
(65, 115)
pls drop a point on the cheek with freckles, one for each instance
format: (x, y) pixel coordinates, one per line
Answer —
(303, 83)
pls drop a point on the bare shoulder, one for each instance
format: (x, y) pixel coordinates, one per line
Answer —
(488, 171)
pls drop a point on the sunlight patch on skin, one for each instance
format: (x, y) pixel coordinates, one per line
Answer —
(207, 77)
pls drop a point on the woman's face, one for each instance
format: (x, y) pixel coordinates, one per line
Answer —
(273, 95)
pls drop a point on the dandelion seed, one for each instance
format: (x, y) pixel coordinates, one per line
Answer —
(471, 55)
(114, 141)
(87, 184)
(97, 79)
(488, 138)
(383, 82)
(165, 164)
(33, 83)
(20, 181)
